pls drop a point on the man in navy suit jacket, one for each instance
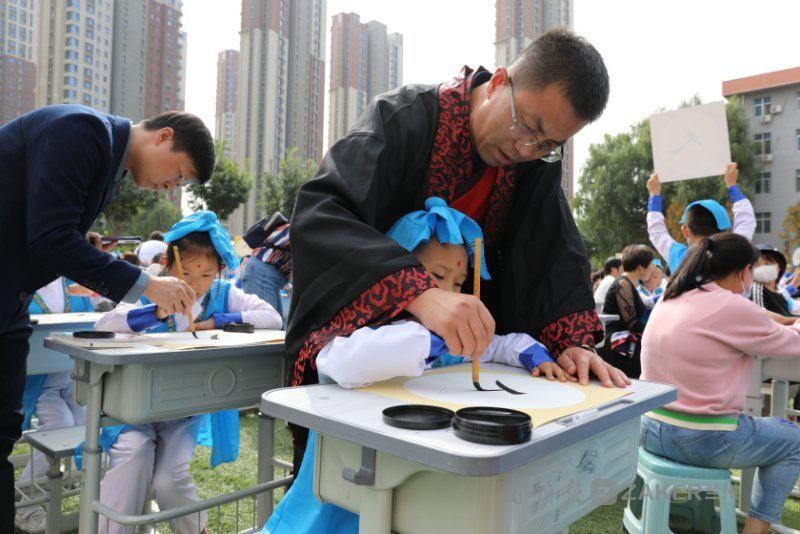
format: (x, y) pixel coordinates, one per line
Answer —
(59, 168)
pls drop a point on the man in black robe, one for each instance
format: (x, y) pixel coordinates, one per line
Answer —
(489, 145)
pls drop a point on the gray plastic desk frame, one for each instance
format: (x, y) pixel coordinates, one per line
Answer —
(97, 363)
(439, 449)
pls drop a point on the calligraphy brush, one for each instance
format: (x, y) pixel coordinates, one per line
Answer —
(476, 291)
(180, 270)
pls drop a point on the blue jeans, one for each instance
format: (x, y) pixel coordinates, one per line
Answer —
(768, 443)
(265, 281)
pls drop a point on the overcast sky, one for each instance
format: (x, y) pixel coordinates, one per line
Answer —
(658, 53)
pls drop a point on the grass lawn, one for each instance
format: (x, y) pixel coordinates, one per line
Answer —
(242, 473)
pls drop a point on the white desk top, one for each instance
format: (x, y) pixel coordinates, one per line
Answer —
(356, 416)
(55, 322)
(155, 354)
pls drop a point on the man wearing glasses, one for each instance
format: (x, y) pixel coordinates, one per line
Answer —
(61, 165)
(490, 148)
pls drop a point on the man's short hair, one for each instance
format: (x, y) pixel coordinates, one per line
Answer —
(191, 137)
(634, 256)
(561, 57)
(701, 221)
(611, 263)
(155, 235)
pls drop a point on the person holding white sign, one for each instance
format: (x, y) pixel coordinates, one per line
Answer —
(702, 218)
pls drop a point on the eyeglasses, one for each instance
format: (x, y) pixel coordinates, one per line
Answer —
(524, 136)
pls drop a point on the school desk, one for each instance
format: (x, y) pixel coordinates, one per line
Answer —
(433, 482)
(43, 361)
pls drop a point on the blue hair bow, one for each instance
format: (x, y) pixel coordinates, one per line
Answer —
(451, 227)
(206, 221)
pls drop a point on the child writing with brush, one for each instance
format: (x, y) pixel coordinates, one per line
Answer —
(443, 240)
(152, 460)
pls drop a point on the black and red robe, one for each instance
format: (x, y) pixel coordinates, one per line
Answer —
(410, 144)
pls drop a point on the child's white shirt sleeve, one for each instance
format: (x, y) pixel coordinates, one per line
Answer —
(253, 309)
(116, 320)
(506, 349)
(744, 219)
(371, 355)
(659, 234)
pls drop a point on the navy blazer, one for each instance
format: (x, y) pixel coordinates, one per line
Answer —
(57, 170)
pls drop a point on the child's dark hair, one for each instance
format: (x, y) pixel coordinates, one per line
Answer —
(709, 260)
(701, 221)
(611, 263)
(634, 256)
(191, 244)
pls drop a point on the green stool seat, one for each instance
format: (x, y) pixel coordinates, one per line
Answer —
(658, 477)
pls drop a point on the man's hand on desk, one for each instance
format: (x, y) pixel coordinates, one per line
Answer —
(462, 321)
(578, 361)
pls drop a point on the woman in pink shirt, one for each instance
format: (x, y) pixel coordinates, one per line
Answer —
(702, 338)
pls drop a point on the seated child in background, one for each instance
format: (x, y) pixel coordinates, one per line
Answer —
(702, 218)
(651, 289)
(766, 293)
(152, 460)
(443, 241)
(49, 396)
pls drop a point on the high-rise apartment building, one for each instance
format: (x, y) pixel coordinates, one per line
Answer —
(227, 84)
(365, 62)
(148, 58)
(74, 52)
(279, 102)
(17, 57)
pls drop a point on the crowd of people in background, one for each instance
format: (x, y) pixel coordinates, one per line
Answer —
(695, 320)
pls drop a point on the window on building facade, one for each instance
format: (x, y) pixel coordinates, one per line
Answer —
(763, 143)
(763, 222)
(797, 180)
(764, 182)
(762, 105)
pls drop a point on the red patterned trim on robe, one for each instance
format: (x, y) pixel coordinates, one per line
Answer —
(451, 156)
(375, 306)
(573, 330)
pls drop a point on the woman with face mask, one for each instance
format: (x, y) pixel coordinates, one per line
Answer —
(770, 269)
(702, 337)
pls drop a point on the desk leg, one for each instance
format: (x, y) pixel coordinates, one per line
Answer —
(92, 452)
(780, 397)
(753, 405)
(375, 511)
(266, 468)
(54, 481)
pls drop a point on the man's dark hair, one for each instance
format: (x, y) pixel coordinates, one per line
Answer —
(155, 235)
(701, 221)
(561, 57)
(634, 256)
(611, 263)
(191, 137)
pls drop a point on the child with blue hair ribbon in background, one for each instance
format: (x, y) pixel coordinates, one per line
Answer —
(702, 218)
(443, 240)
(153, 459)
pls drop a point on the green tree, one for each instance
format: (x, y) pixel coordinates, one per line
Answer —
(611, 203)
(128, 202)
(227, 189)
(160, 216)
(791, 229)
(280, 190)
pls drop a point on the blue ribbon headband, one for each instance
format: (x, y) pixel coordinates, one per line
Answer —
(451, 227)
(206, 221)
(716, 209)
